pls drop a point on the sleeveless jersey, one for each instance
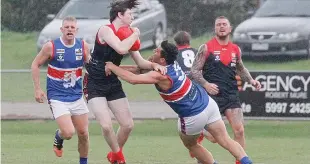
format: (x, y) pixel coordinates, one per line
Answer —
(185, 97)
(220, 67)
(64, 72)
(103, 53)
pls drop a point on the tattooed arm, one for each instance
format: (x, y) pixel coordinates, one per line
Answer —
(245, 74)
(196, 71)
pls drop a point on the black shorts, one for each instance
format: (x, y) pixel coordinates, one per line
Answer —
(110, 89)
(227, 102)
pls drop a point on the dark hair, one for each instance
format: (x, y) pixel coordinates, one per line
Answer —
(182, 38)
(121, 6)
(169, 52)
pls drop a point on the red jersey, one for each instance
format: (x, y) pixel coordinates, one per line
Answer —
(220, 66)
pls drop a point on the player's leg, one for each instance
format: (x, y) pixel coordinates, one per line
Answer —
(199, 141)
(205, 133)
(222, 104)
(208, 136)
(190, 129)
(120, 109)
(97, 93)
(119, 105)
(202, 154)
(235, 118)
(66, 129)
(217, 128)
(100, 108)
(79, 117)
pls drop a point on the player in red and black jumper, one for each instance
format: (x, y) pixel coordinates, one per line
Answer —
(215, 67)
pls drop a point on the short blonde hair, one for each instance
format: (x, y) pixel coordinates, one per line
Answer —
(221, 17)
(69, 18)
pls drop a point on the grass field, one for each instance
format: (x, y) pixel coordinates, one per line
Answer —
(155, 142)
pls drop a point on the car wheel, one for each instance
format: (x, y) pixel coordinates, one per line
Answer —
(158, 35)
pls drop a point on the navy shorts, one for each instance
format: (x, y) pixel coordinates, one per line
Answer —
(227, 102)
(111, 89)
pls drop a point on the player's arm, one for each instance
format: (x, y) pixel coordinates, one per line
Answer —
(147, 70)
(140, 61)
(199, 62)
(245, 74)
(86, 52)
(196, 71)
(43, 56)
(131, 68)
(152, 77)
(107, 35)
(242, 71)
(146, 64)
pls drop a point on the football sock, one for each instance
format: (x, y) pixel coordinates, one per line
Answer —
(83, 160)
(245, 160)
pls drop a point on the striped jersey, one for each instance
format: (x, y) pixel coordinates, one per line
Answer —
(185, 97)
(64, 72)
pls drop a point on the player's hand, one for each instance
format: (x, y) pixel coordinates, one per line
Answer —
(108, 66)
(256, 84)
(160, 68)
(211, 88)
(39, 95)
(136, 30)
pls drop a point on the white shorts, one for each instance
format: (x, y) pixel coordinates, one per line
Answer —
(60, 108)
(195, 124)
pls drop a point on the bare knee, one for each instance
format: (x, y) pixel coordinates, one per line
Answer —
(211, 138)
(67, 134)
(224, 141)
(190, 144)
(218, 133)
(235, 118)
(107, 129)
(82, 133)
(239, 131)
(128, 126)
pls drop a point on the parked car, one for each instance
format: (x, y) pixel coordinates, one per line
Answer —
(150, 18)
(278, 27)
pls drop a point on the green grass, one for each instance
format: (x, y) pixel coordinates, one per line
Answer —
(18, 51)
(298, 65)
(154, 142)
